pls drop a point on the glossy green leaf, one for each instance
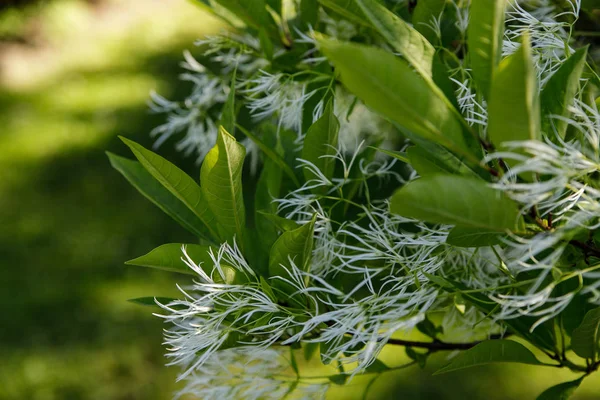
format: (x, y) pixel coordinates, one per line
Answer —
(560, 91)
(177, 182)
(221, 177)
(402, 37)
(586, 337)
(484, 38)
(491, 351)
(514, 109)
(145, 183)
(295, 245)
(441, 77)
(320, 144)
(458, 200)
(424, 15)
(562, 391)
(460, 236)
(168, 257)
(392, 88)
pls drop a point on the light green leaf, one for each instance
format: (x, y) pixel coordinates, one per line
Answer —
(491, 351)
(177, 182)
(295, 245)
(514, 109)
(320, 144)
(221, 177)
(403, 38)
(145, 183)
(585, 338)
(560, 91)
(168, 257)
(451, 199)
(424, 15)
(392, 88)
(460, 236)
(562, 391)
(484, 38)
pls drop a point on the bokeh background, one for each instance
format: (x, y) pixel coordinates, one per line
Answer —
(74, 74)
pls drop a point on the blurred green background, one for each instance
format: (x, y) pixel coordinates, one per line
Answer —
(73, 76)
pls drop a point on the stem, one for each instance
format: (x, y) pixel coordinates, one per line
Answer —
(438, 345)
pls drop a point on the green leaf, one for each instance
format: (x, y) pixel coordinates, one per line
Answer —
(377, 367)
(392, 88)
(484, 38)
(283, 224)
(309, 12)
(514, 109)
(428, 328)
(320, 144)
(168, 257)
(253, 12)
(177, 182)
(560, 91)
(339, 379)
(310, 349)
(221, 177)
(295, 245)
(145, 183)
(228, 113)
(562, 391)
(420, 358)
(269, 152)
(491, 351)
(473, 237)
(458, 200)
(423, 18)
(403, 38)
(441, 77)
(586, 337)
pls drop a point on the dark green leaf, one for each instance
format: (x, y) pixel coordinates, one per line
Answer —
(424, 15)
(398, 155)
(484, 38)
(514, 109)
(320, 144)
(145, 183)
(491, 351)
(428, 328)
(283, 224)
(562, 391)
(221, 177)
(586, 337)
(309, 12)
(458, 200)
(177, 182)
(310, 349)
(339, 379)
(560, 91)
(421, 359)
(377, 367)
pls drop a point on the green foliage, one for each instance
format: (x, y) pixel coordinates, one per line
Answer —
(395, 167)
